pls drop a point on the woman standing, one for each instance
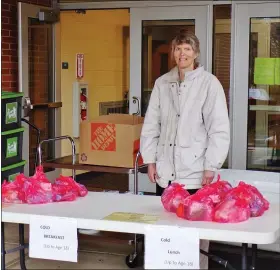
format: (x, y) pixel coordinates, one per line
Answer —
(185, 137)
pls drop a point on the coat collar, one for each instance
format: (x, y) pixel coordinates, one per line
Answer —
(173, 74)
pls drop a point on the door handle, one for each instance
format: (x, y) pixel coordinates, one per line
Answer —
(47, 105)
(136, 100)
(28, 106)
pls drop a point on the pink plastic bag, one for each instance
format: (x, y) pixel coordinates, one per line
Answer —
(232, 211)
(63, 193)
(196, 208)
(38, 189)
(68, 184)
(66, 189)
(258, 204)
(172, 196)
(216, 191)
(12, 192)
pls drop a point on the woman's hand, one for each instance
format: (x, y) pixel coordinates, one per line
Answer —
(207, 178)
(152, 172)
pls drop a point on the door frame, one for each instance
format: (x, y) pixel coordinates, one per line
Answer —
(243, 11)
(203, 29)
(137, 15)
(26, 11)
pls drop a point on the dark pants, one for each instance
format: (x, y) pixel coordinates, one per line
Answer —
(159, 190)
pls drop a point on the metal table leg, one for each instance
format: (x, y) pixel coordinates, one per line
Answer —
(3, 251)
(22, 250)
(132, 259)
(244, 264)
(254, 257)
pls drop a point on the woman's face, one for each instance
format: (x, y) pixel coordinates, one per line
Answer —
(184, 56)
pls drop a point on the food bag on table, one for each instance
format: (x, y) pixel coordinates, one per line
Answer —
(196, 208)
(12, 192)
(258, 204)
(232, 211)
(172, 196)
(38, 189)
(66, 189)
(216, 191)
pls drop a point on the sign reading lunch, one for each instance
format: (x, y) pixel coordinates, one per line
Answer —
(103, 137)
(53, 238)
(171, 248)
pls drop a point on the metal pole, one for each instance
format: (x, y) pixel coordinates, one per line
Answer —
(136, 192)
(254, 256)
(38, 139)
(136, 174)
(3, 251)
(39, 150)
(244, 265)
(21, 243)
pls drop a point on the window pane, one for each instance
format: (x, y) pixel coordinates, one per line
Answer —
(263, 150)
(222, 49)
(156, 49)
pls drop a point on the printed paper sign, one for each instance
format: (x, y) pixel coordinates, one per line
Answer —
(132, 217)
(277, 71)
(53, 238)
(267, 71)
(103, 137)
(80, 65)
(169, 247)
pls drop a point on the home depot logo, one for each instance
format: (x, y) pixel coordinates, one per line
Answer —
(103, 137)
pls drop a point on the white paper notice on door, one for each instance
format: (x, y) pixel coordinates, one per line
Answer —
(53, 238)
(168, 247)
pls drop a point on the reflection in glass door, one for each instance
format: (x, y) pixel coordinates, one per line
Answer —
(156, 48)
(263, 149)
(151, 31)
(256, 107)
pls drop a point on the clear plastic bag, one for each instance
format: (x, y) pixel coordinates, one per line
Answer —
(172, 196)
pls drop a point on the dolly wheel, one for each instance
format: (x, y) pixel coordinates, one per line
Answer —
(131, 260)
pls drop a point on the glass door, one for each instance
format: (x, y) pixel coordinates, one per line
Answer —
(256, 108)
(151, 32)
(39, 81)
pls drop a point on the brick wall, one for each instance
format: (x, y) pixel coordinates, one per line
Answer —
(9, 59)
(38, 68)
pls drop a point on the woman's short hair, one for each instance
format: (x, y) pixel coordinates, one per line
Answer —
(185, 37)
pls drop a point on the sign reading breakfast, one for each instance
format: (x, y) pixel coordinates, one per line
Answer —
(103, 136)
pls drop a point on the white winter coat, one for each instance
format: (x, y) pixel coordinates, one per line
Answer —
(186, 127)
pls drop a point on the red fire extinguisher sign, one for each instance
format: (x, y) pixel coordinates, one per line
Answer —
(80, 65)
